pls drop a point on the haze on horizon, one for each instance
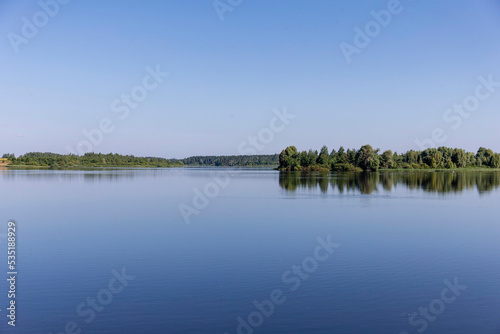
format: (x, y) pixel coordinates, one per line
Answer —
(208, 74)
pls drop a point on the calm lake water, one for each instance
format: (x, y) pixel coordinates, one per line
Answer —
(206, 250)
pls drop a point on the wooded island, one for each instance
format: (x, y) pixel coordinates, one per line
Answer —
(368, 159)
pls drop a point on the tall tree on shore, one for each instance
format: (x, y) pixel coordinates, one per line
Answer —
(323, 158)
(367, 158)
(340, 156)
(386, 160)
(459, 157)
(288, 157)
(483, 156)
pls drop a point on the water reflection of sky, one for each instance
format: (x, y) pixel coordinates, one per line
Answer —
(397, 245)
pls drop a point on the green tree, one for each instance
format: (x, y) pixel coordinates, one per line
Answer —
(459, 158)
(351, 156)
(332, 155)
(288, 158)
(411, 157)
(483, 156)
(495, 160)
(367, 158)
(432, 158)
(323, 158)
(386, 160)
(340, 156)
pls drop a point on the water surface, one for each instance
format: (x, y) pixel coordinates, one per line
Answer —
(400, 235)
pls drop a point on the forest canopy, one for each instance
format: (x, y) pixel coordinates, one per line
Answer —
(368, 159)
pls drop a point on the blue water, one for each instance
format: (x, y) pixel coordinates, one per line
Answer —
(398, 237)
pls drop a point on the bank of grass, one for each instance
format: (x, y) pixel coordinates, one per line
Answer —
(26, 167)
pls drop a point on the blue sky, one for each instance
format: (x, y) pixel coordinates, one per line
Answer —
(227, 76)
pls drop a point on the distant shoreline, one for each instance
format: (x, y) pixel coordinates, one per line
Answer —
(90, 160)
(365, 159)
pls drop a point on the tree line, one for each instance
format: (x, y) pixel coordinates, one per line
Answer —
(232, 160)
(363, 159)
(368, 159)
(54, 160)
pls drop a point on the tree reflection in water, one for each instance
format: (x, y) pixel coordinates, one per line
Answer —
(367, 183)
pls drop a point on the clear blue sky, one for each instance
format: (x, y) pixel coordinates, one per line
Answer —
(226, 77)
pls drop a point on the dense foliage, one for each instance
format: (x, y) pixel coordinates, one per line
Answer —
(233, 160)
(55, 160)
(368, 159)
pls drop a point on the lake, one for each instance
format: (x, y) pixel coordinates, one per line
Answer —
(238, 250)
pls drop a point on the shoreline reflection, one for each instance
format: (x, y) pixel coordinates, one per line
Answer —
(367, 183)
